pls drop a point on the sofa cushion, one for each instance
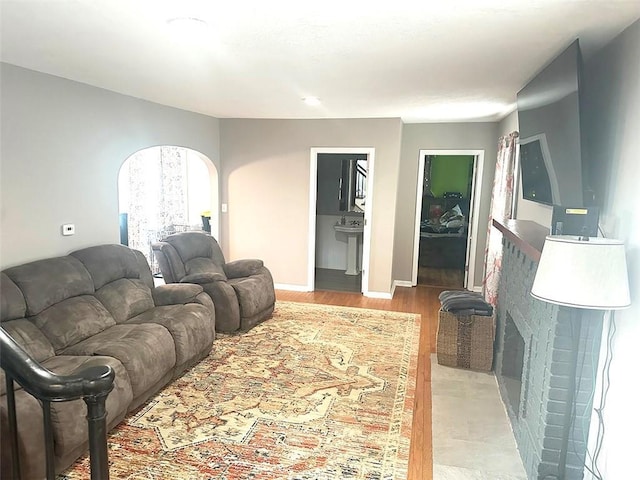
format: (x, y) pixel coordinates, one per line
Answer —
(146, 351)
(190, 325)
(144, 269)
(30, 338)
(47, 282)
(194, 244)
(70, 428)
(73, 320)
(202, 278)
(107, 263)
(204, 266)
(12, 304)
(125, 298)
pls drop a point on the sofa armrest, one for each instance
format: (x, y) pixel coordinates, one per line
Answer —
(243, 268)
(176, 293)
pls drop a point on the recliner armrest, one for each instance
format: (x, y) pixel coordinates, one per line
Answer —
(176, 294)
(170, 262)
(243, 268)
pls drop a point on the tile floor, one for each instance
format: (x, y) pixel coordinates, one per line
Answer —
(337, 280)
(472, 437)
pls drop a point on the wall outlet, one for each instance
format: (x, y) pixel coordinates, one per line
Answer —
(68, 229)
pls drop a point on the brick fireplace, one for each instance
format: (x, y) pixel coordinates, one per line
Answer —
(533, 365)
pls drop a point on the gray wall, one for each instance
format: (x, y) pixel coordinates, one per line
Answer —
(266, 183)
(63, 143)
(445, 136)
(612, 122)
(508, 124)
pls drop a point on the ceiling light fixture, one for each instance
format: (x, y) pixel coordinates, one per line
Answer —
(311, 101)
(188, 25)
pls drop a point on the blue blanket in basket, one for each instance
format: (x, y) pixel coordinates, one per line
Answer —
(461, 302)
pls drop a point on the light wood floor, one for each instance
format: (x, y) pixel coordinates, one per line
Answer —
(420, 300)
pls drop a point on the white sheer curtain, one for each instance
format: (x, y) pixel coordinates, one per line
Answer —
(156, 184)
(501, 208)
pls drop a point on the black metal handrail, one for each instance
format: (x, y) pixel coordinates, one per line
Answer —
(91, 383)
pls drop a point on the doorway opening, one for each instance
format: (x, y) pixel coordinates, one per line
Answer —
(164, 190)
(341, 189)
(446, 222)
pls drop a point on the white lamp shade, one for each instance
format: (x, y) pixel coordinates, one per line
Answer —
(585, 274)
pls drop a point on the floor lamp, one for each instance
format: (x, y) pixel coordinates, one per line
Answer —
(582, 273)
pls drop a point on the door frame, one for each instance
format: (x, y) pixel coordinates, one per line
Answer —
(313, 194)
(474, 208)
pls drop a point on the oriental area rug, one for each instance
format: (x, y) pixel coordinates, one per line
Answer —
(316, 392)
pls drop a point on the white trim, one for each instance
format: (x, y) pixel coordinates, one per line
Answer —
(313, 194)
(416, 226)
(476, 288)
(474, 221)
(517, 183)
(368, 211)
(474, 208)
(292, 288)
(368, 215)
(381, 295)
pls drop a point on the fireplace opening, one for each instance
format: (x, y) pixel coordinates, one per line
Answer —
(512, 364)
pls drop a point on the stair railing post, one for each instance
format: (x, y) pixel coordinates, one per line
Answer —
(97, 421)
(48, 440)
(13, 425)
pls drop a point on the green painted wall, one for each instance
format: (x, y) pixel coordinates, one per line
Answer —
(450, 173)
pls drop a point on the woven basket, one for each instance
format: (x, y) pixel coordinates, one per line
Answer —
(465, 341)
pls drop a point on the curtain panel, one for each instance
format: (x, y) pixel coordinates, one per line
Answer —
(501, 209)
(157, 186)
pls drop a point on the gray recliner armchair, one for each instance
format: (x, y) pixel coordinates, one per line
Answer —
(242, 290)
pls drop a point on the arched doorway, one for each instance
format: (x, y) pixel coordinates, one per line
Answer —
(163, 190)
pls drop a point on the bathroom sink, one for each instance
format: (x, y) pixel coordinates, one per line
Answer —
(352, 230)
(349, 228)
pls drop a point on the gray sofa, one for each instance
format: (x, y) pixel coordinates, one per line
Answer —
(97, 305)
(242, 290)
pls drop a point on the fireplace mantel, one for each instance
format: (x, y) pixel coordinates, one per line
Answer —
(528, 236)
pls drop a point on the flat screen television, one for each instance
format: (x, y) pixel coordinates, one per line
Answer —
(551, 163)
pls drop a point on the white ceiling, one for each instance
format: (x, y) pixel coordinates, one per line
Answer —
(421, 60)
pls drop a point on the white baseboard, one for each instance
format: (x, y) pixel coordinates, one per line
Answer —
(403, 283)
(382, 295)
(476, 288)
(292, 288)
